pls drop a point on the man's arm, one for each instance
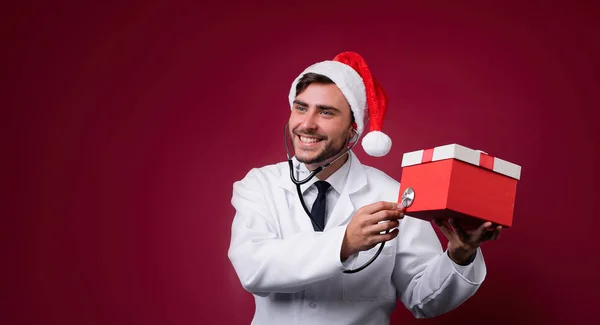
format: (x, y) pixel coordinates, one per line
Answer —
(428, 282)
(263, 261)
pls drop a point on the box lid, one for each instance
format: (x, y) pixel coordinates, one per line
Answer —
(455, 151)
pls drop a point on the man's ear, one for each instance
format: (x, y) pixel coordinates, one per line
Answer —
(352, 135)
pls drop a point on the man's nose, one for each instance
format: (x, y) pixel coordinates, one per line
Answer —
(310, 120)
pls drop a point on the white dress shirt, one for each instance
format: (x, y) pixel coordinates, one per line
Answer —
(337, 180)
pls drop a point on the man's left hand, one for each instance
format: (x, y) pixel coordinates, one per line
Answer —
(462, 244)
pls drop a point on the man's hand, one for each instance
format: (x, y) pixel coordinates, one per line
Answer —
(365, 229)
(462, 243)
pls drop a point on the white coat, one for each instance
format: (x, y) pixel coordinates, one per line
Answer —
(295, 273)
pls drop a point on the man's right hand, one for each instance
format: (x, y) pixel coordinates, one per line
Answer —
(365, 229)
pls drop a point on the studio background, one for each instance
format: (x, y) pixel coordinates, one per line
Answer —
(125, 125)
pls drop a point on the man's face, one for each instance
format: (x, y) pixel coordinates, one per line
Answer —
(320, 124)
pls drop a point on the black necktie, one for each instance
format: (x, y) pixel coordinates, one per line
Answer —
(318, 208)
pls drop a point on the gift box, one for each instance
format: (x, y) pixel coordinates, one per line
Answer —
(455, 181)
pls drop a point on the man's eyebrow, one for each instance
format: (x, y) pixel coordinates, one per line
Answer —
(327, 107)
(300, 103)
(321, 107)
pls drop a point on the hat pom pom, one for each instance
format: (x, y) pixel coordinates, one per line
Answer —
(376, 144)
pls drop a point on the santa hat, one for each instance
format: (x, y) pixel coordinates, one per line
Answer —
(367, 99)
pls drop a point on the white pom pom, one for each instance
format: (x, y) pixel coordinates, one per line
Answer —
(376, 144)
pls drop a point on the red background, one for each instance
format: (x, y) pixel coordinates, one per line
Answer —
(125, 125)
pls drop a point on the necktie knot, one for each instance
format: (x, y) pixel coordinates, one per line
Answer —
(322, 186)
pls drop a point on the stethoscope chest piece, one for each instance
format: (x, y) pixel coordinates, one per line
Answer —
(408, 197)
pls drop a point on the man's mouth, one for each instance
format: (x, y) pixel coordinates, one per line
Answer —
(309, 140)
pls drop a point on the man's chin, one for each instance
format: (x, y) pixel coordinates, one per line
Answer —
(314, 161)
(310, 160)
(316, 158)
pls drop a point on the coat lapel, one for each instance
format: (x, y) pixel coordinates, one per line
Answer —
(297, 212)
(344, 208)
(284, 177)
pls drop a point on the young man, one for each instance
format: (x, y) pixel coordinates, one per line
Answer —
(295, 267)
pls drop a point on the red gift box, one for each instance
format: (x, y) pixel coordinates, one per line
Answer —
(455, 181)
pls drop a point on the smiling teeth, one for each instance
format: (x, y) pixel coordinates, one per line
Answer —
(308, 140)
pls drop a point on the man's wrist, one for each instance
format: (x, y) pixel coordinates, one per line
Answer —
(462, 258)
(344, 254)
(345, 251)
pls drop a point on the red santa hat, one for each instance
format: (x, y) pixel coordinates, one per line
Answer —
(367, 99)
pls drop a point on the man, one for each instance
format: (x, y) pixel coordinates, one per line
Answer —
(296, 271)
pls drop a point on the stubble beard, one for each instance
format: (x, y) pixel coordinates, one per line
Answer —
(330, 151)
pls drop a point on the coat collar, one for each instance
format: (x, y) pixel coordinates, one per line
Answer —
(344, 208)
(356, 178)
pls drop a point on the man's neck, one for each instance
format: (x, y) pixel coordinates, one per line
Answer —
(325, 173)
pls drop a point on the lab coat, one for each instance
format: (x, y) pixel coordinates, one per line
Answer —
(295, 273)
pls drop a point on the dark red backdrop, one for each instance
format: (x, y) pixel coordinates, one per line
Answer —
(124, 127)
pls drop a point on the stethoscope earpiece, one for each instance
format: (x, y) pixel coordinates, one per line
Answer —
(355, 136)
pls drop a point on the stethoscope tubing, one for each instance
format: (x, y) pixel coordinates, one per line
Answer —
(307, 179)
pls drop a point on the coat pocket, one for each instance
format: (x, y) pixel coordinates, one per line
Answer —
(373, 282)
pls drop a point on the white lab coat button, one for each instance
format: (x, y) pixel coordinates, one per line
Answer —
(312, 305)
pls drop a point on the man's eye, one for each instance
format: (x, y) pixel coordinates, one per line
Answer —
(301, 108)
(326, 112)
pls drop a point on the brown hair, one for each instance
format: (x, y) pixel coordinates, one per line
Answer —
(310, 78)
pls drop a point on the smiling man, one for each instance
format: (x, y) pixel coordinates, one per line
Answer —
(319, 123)
(305, 267)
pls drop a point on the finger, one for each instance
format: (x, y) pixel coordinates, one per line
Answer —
(386, 237)
(496, 233)
(482, 233)
(385, 215)
(383, 226)
(458, 230)
(445, 229)
(381, 205)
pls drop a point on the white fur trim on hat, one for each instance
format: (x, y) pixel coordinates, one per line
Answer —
(347, 80)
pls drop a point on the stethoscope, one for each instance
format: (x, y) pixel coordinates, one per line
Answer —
(310, 176)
